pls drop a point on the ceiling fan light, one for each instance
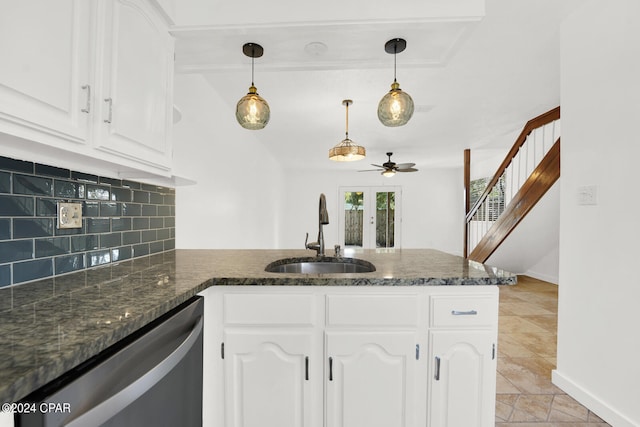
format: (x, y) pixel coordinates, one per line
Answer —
(395, 107)
(252, 111)
(388, 173)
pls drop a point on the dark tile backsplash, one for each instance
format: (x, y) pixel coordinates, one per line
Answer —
(122, 219)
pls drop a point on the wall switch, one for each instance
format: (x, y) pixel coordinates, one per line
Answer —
(69, 215)
(588, 195)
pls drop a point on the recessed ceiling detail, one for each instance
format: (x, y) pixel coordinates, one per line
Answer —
(474, 82)
(295, 47)
(316, 48)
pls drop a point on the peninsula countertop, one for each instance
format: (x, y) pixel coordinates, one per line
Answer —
(50, 326)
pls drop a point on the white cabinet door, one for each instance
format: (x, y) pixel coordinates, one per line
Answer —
(44, 76)
(463, 378)
(135, 105)
(268, 377)
(371, 379)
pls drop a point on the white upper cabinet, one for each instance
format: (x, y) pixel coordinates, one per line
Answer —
(135, 83)
(45, 73)
(89, 77)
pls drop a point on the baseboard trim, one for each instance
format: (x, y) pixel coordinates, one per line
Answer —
(541, 276)
(587, 399)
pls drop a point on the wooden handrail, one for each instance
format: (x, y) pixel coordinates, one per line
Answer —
(542, 178)
(531, 125)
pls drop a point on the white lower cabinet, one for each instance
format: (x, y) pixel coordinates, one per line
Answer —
(350, 357)
(463, 380)
(267, 378)
(463, 335)
(371, 379)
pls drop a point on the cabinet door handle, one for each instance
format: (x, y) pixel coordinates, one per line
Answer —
(87, 108)
(110, 116)
(437, 369)
(306, 368)
(464, 313)
(331, 369)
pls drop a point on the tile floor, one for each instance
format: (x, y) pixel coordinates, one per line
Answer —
(527, 333)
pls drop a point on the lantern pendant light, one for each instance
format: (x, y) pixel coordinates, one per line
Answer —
(347, 150)
(252, 111)
(396, 107)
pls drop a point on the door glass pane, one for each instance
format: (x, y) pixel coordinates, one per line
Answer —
(385, 219)
(353, 216)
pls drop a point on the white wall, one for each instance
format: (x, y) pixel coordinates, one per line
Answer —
(237, 200)
(532, 248)
(432, 205)
(245, 199)
(598, 344)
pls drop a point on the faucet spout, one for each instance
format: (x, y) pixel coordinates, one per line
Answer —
(323, 218)
(323, 215)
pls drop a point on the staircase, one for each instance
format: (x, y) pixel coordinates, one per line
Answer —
(530, 168)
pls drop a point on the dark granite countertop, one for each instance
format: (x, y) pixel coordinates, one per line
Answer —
(50, 326)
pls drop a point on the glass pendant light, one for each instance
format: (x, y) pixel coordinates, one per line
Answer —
(396, 107)
(347, 150)
(252, 111)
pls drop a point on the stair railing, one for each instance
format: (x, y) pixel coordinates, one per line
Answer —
(536, 139)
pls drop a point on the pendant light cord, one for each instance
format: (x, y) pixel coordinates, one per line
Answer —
(253, 54)
(347, 120)
(395, 54)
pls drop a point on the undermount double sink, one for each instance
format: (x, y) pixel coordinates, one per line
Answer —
(320, 265)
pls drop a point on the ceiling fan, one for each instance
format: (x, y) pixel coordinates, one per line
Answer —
(390, 168)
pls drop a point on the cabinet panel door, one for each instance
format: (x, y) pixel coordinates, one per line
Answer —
(371, 379)
(268, 379)
(45, 51)
(463, 378)
(136, 103)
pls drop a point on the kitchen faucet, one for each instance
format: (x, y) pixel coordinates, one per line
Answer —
(323, 218)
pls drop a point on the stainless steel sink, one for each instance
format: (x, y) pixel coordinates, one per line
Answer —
(320, 265)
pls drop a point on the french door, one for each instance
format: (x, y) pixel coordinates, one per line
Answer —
(370, 217)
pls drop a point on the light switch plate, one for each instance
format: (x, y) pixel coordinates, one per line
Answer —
(69, 215)
(588, 195)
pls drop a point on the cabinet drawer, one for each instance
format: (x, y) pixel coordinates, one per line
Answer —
(372, 310)
(264, 310)
(464, 311)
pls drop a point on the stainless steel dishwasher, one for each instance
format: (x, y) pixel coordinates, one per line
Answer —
(153, 377)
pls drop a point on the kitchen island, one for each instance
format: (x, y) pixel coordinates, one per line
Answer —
(50, 326)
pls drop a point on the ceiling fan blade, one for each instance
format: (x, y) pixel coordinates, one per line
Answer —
(405, 165)
(407, 170)
(370, 170)
(378, 166)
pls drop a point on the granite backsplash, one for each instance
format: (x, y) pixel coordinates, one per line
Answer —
(122, 219)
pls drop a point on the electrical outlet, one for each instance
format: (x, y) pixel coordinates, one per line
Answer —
(69, 215)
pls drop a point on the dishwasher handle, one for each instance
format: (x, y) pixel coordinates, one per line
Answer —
(116, 403)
